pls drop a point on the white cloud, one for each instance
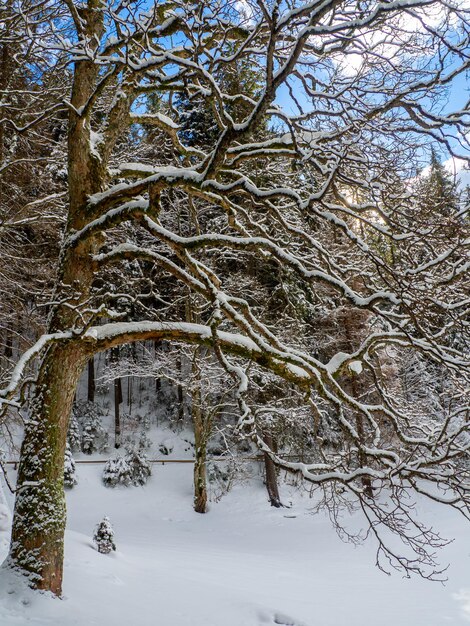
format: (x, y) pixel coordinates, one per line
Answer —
(463, 596)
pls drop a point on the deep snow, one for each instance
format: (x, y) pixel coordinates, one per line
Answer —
(242, 564)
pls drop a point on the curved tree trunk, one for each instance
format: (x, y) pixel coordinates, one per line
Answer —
(39, 515)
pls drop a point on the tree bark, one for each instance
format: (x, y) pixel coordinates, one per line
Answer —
(271, 475)
(202, 426)
(200, 445)
(39, 516)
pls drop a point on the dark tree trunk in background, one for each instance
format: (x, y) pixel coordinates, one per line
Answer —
(271, 475)
(117, 402)
(117, 416)
(179, 390)
(91, 380)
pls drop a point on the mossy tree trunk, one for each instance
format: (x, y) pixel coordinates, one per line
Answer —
(39, 518)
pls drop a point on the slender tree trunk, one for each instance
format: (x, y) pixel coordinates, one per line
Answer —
(200, 445)
(91, 380)
(202, 427)
(271, 475)
(353, 325)
(366, 481)
(117, 416)
(179, 390)
(117, 402)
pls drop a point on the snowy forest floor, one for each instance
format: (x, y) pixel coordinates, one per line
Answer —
(242, 564)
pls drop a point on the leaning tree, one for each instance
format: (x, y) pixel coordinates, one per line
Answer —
(347, 94)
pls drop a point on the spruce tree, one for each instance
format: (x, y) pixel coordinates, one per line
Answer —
(437, 191)
(104, 536)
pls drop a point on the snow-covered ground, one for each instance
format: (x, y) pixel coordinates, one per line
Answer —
(242, 564)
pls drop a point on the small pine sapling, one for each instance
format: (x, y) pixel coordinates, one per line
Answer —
(104, 536)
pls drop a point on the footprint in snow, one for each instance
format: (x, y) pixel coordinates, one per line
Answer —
(284, 620)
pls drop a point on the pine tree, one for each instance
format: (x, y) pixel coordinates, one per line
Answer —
(132, 469)
(437, 191)
(117, 471)
(140, 467)
(104, 536)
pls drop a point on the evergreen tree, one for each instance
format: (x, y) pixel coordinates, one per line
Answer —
(437, 191)
(117, 471)
(132, 469)
(104, 536)
(140, 467)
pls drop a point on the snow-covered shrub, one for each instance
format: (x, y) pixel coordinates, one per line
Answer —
(140, 467)
(117, 471)
(70, 478)
(132, 469)
(104, 536)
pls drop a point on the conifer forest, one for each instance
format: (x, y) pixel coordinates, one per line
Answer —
(234, 312)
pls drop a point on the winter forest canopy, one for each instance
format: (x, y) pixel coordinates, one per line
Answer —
(245, 204)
